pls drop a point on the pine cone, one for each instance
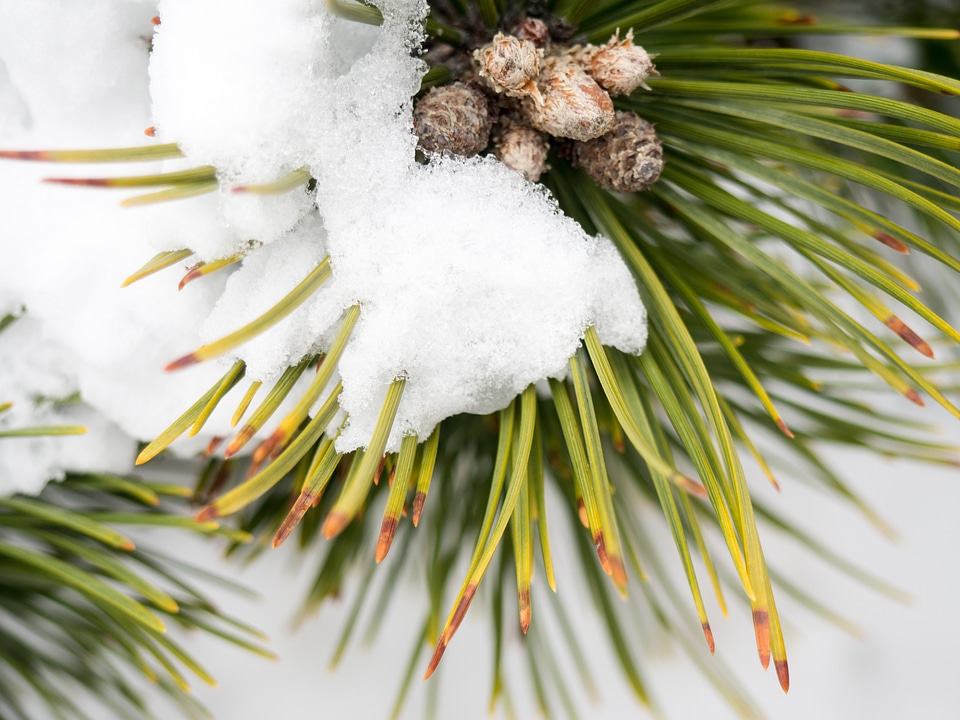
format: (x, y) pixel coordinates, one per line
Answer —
(534, 30)
(620, 67)
(509, 65)
(523, 149)
(571, 104)
(454, 119)
(629, 158)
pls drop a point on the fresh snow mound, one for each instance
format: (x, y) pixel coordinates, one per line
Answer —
(472, 285)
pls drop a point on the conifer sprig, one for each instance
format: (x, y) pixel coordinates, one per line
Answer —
(84, 614)
(764, 148)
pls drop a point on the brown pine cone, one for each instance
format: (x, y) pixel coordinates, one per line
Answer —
(453, 119)
(571, 104)
(620, 67)
(629, 158)
(523, 149)
(509, 65)
(534, 30)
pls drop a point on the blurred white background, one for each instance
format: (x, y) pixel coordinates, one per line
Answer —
(903, 665)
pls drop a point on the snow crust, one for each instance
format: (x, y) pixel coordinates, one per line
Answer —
(471, 283)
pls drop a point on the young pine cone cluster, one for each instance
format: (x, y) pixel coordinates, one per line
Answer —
(524, 89)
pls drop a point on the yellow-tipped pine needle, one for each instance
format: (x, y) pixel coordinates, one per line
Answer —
(269, 476)
(245, 402)
(523, 552)
(358, 485)
(755, 580)
(573, 437)
(268, 406)
(114, 568)
(581, 509)
(428, 459)
(177, 192)
(290, 181)
(614, 395)
(287, 305)
(69, 519)
(205, 173)
(130, 611)
(328, 365)
(501, 466)
(889, 376)
(179, 425)
(135, 489)
(398, 493)
(130, 154)
(737, 428)
(665, 493)
(729, 347)
(206, 268)
(664, 489)
(156, 263)
(44, 430)
(233, 376)
(538, 504)
(607, 540)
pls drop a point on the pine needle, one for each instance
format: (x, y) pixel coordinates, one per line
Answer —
(287, 305)
(358, 484)
(291, 181)
(607, 539)
(131, 154)
(194, 176)
(269, 476)
(427, 461)
(180, 425)
(484, 553)
(398, 493)
(277, 394)
(157, 263)
(183, 191)
(206, 268)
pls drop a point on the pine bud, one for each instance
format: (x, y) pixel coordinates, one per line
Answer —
(534, 30)
(619, 66)
(453, 119)
(523, 149)
(571, 104)
(510, 66)
(629, 158)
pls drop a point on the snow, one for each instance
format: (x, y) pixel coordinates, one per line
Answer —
(78, 74)
(472, 284)
(35, 379)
